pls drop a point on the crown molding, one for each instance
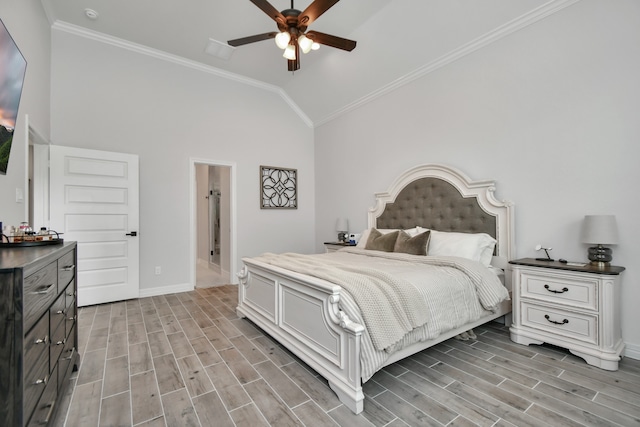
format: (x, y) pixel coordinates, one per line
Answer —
(488, 38)
(164, 56)
(492, 36)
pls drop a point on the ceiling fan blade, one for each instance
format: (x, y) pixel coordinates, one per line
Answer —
(313, 11)
(273, 13)
(252, 39)
(333, 41)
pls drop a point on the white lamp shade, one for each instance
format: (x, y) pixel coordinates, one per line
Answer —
(315, 46)
(600, 230)
(342, 224)
(305, 43)
(282, 39)
(290, 52)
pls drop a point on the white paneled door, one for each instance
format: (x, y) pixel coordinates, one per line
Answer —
(94, 201)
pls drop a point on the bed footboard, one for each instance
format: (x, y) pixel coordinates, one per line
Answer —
(304, 316)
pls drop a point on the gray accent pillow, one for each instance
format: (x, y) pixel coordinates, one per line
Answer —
(416, 245)
(381, 242)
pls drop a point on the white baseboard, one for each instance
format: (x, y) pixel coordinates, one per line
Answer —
(164, 290)
(632, 351)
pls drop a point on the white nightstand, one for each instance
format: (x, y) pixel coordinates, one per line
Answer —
(575, 307)
(334, 246)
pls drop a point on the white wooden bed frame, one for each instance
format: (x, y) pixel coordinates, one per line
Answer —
(303, 313)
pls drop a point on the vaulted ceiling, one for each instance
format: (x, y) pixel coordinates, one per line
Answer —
(398, 40)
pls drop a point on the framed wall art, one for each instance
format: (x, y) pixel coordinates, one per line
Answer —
(278, 188)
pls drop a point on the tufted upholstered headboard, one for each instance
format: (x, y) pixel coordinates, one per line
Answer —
(442, 198)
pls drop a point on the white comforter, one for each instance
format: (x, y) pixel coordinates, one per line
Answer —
(423, 296)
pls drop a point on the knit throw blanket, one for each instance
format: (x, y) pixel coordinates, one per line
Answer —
(390, 307)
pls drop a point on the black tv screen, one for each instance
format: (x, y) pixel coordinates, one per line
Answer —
(12, 70)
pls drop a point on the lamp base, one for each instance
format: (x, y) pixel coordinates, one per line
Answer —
(600, 256)
(343, 236)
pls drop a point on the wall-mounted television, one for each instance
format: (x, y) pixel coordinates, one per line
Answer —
(12, 70)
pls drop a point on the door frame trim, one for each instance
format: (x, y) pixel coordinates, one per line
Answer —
(193, 249)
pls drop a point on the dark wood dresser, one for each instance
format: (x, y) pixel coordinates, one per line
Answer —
(38, 333)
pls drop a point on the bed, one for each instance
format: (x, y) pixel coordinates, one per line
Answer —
(315, 317)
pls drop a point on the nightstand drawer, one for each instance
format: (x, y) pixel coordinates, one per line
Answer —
(565, 290)
(580, 326)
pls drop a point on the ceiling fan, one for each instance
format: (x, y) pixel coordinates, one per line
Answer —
(293, 35)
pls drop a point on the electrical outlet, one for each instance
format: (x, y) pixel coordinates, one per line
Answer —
(158, 270)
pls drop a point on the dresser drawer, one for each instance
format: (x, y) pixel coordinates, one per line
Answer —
(66, 358)
(66, 268)
(40, 289)
(58, 340)
(44, 409)
(57, 312)
(560, 289)
(36, 346)
(70, 311)
(34, 385)
(580, 326)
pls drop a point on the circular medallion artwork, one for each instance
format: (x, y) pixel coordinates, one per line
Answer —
(278, 187)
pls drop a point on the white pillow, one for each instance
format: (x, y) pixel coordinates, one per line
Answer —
(474, 246)
(365, 234)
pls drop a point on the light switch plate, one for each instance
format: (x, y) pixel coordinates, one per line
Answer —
(19, 195)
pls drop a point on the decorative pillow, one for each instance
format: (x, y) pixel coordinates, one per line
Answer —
(381, 242)
(414, 231)
(475, 246)
(362, 243)
(416, 245)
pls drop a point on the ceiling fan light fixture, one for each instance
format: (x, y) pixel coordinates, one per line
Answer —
(305, 43)
(292, 35)
(290, 52)
(283, 39)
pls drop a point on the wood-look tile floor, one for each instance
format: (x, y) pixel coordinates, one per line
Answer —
(187, 360)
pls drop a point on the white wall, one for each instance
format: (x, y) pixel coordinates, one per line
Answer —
(108, 98)
(551, 112)
(27, 24)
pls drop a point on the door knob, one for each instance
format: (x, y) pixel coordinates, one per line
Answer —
(133, 233)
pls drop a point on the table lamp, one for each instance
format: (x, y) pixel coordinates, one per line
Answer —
(342, 227)
(600, 230)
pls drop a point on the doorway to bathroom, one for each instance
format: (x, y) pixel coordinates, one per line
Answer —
(213, 224)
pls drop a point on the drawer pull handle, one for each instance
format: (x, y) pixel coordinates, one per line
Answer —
(68, 268)
(49, 413)
(60, 312)
(564, 321)
(73, 350)
(565, 289)
(61, 342)
(42, 381)
(72, 318)
(44, 289)
(42, 340)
